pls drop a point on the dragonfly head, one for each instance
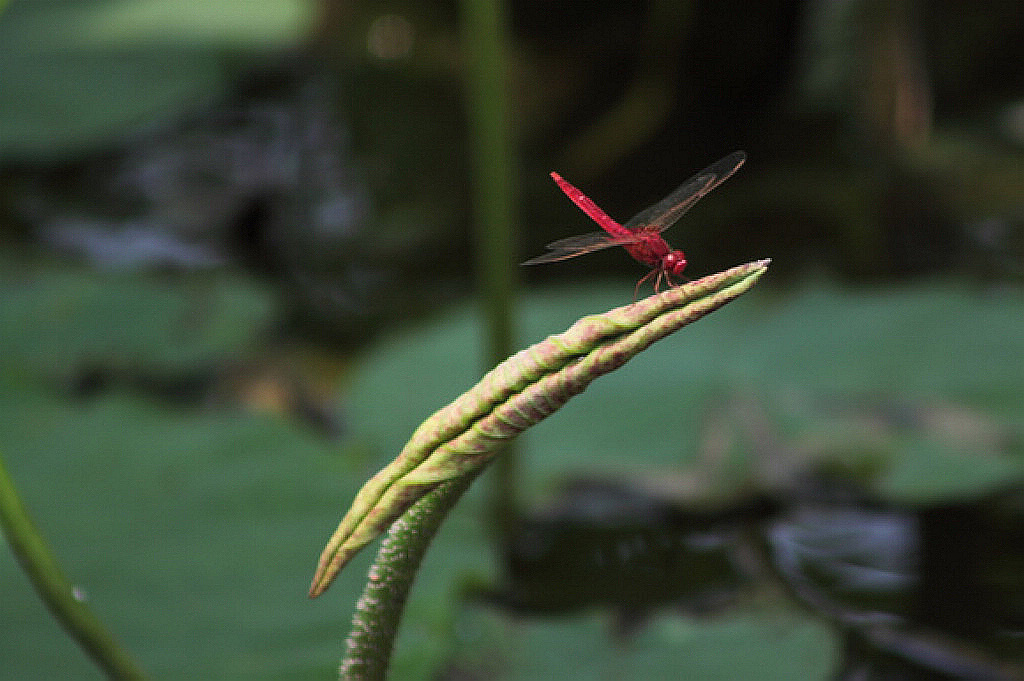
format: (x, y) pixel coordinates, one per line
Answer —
(674, 263)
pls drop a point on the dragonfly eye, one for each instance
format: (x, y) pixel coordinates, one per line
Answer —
(675, 262)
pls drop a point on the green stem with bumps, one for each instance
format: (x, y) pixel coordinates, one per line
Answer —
(462, 437)
(413, 494)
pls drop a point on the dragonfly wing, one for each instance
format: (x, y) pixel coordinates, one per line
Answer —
(572, 246)
(667, 212)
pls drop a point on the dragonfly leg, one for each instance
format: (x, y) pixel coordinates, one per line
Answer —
(636, 291)
(671, 283)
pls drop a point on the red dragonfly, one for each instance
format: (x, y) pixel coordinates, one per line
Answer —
(641, 236)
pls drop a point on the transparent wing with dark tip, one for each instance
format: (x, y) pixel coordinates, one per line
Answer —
(667, 212)
(581, 244)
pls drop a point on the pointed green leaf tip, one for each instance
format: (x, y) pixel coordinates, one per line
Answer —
(521, 391)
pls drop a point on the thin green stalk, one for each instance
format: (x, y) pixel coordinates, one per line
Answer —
(493, 166)
(39, 563)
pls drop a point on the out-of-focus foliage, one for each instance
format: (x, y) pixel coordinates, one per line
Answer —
(75, 75)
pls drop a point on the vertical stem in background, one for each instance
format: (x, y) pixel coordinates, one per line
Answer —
(493, 169)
